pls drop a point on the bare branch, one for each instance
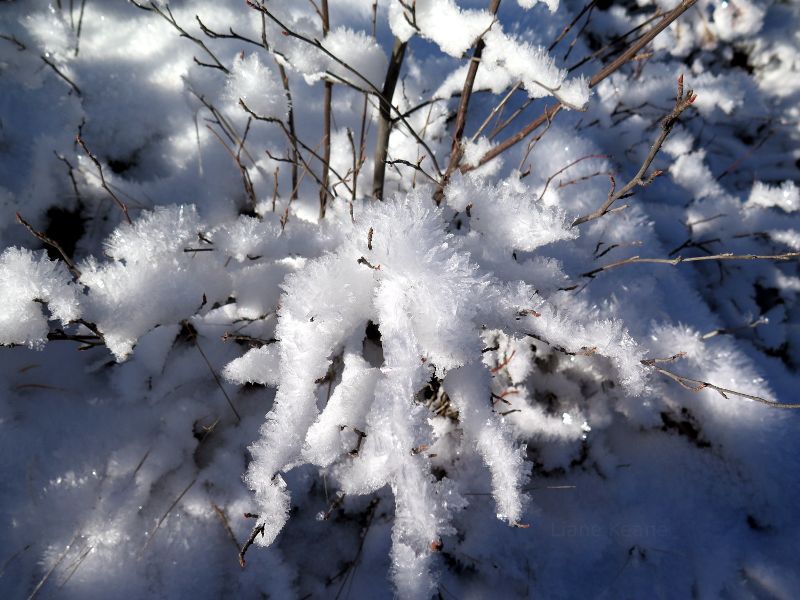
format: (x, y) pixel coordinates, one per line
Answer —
(570, 165)
(605, 72)
(456, 149)
(166, 14)
(682, 102)
(53, 244)
(58, 72)
(10, 38)
(679, 259)
(318, 45)
(122, 206)
(385, 118)
(290, 117)
(298, 142)
(326, 123)
(695, 385)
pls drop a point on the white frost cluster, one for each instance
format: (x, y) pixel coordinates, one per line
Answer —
(453, 29)
(515, 60)
(359, 51)
(785, 196)
(507, 215)
(258, 86)
(734, 19)
(151, 280)
(397, 267)
(552, 5)
(506, 60)
(25, 279)
(426, 297)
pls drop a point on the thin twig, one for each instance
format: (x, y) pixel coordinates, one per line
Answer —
(326, 122)
(495, 110)
(679, 259)
(10, 38)
(568, 27)
(296, 140)
(682, 102)
(167, 15)
(385, 118)
(103, 183)
(163, 518)
(80, 27)
(605, 72)
(58, 72)
(695, 385)
(47, 575)
(258, 529)
(226, 524)
(570, 165)
(53, 244)
(456, 149)
(318, 45)
(219, 383)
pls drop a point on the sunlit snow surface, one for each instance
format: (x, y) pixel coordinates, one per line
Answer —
(556, 470)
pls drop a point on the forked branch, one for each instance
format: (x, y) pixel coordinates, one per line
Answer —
(602, 74)
(682, 102)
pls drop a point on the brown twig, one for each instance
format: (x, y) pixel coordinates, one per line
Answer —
(225, 36)
(53, 244)
(258, 529)
(13, 39)
(103, 183)
(318, 45)
(679, 259)
(695, 385)
(682, 102)
(226, 524)
(613, 45)
(500, 105)
(193, 338)
(80, 26)
(385, 118)
(287, 132)
(605, 72)
(163, 518)
(570, 165)
(326, 122)
(571, 24)
(456, 149)
(50, 571)
(58, 72)
(167, 15)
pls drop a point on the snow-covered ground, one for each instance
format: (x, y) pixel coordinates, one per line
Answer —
(496, 394)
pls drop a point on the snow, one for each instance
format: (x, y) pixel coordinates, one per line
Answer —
(28, 278)
(466, 397)
(258, 86)
(464, 26)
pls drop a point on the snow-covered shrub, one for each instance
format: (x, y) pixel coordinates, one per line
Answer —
(507, 303)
